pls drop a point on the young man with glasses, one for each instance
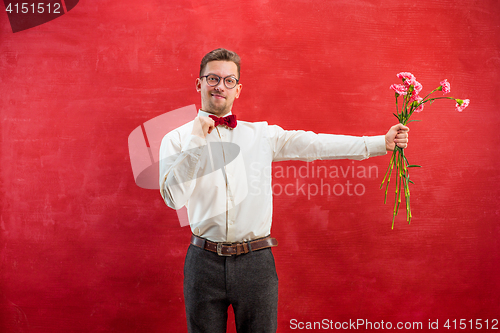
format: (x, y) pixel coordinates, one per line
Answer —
(220, 170)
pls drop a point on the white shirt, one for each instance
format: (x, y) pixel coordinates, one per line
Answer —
(225, 180)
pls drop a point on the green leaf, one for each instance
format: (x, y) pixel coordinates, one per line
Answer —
(414, 166)
(409, 121)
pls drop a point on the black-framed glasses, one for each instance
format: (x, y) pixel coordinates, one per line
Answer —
(229, 81)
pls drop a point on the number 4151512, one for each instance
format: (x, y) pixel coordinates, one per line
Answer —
(34, 8)
(471, 324)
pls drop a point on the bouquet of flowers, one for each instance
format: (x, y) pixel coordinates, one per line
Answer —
(409, 90)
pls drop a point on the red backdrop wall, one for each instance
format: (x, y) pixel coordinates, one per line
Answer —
(84, 249)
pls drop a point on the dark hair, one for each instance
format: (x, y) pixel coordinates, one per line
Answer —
(220, 55)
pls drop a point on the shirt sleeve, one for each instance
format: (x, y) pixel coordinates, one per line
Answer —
(179, 164)
(309, 146)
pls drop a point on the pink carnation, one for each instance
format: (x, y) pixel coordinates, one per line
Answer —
(461, 106)
(410, 80)
(413, 82)
(421, 106)
(399, 88)
(445, 86)
(417, 86)
(406, 76)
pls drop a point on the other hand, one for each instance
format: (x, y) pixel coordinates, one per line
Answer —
(203, 126)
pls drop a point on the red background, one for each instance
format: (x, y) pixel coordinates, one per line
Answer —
(84, 249)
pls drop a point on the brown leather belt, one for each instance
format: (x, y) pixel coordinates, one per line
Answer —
(230, 249)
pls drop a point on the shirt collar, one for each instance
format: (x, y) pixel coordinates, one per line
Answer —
(206, 114)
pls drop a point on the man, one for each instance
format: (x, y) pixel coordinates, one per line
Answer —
(220, 170)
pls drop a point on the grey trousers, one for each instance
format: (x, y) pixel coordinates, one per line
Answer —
(248, 282)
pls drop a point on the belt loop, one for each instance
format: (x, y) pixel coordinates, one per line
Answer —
(203, 243)
(249, 247)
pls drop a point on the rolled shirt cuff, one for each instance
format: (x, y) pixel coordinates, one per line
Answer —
(375, 145)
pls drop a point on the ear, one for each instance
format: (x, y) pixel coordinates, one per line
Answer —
(198, 85)
(238, 90)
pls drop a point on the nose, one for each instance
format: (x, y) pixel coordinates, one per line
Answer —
(219, 86)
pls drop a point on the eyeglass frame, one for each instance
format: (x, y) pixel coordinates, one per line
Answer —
(220, 77)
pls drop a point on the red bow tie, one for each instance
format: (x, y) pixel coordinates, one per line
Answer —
(229, 121)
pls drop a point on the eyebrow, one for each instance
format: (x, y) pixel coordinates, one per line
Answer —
(222, 76)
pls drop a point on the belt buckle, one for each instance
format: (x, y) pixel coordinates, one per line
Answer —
(219, 249)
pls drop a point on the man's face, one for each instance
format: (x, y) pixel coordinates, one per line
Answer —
(218, 99)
